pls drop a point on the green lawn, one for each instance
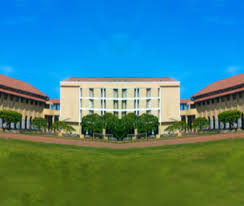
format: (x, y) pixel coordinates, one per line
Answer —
(206, 174)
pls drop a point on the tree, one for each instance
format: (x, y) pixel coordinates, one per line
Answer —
(9, 117)
(171, 128)
(120, 129)
(109, 120)
(130, 121)
(200, 123)
(177, 126)
(62, 126)
(39, 123)
(230, 116)
(93, 123)
(146, 123)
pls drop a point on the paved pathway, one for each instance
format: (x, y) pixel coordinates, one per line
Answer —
(150, 143)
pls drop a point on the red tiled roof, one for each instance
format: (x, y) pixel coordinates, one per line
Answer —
(220, 95)
(20, 85)
(22, 95)
(221, 85)
(122, 79)
(185, 101)
(55, 101)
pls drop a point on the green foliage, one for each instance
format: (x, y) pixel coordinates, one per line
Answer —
(62, 126)
(93, 123)
(230, 116)
(146, 123)
(200, 123)
(177, 126)
(120, 128)
(109, 120)
(9, 117)
(39, 123)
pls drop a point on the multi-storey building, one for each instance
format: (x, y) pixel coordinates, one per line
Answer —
(51, 111)
(120, 96)
(22, 97)
(188, 111)
(220, 96)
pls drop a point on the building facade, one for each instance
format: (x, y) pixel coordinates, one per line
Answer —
(188, 112)
(220, 96)
(51, 111)
(120, 96)
(22, 97)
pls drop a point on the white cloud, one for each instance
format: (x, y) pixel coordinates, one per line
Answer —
(6, 70)
(233, 70)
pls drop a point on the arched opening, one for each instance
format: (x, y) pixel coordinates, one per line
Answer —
(214, 123)
(30, 123)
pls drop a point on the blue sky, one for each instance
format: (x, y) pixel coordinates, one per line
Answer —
(194, 41)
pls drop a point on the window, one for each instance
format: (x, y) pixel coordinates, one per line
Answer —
(234, 96)
(103, 93)
(36, 103)
(124, 93)
(182, 107)
(228, 97)
(123, 114)
(116, 93)
(91, 93)
(91, 112)
(217, 100)
(149, 111)
(116, 104)
(212, 101)
(124, 104)
(203, 103)
(5, 96)
(148, 92)
(11, 97)
(149, 105)
(103, 104)
(31, 102)
(240, 95)
(22, 100)
(208, 102)
(136, 92)
(91, 104)
(222, 99)
(193, 106)
(27, 101)
(16, 99)
(116, 114)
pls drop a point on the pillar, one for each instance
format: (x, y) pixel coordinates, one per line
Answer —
(211, 124)
(1, 123)
(23, 124)
(217, 124)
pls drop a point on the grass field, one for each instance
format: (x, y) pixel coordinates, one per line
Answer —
(206, 174)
